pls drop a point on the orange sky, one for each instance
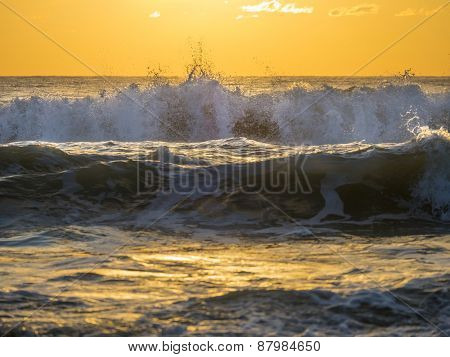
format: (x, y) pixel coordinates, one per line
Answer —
(240, 37)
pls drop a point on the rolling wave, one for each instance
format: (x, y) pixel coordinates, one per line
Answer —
(315, 184)
(206, 110)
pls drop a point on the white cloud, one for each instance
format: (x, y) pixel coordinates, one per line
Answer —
(241, 17)
(358, 10)
(293, 9)
(265, 6)
(415, 12)
(155, 15)
(277, 6)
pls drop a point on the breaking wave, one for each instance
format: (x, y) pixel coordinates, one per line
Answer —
(206, 110)
(341, 183)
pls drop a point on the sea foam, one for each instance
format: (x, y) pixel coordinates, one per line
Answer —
(206, 110)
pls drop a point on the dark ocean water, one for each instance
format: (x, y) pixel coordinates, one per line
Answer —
(251, 206)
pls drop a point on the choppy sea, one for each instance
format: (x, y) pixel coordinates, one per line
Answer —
(278, 206)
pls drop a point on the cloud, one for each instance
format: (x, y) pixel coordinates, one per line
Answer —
(358, 10)
(415, 12)
(242, 17)
(277, 6)
(155, 15)
(293, 9)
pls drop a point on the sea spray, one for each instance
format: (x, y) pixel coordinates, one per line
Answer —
(204, 109)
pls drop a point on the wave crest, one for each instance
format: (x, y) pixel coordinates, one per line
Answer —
(206, 110)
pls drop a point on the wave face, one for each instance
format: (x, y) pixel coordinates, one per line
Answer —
(206, 110)
(229, 181)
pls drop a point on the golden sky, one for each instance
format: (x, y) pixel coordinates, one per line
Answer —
(240, 37)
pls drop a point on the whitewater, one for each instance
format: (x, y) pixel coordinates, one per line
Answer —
(205, 110)
(245, 206)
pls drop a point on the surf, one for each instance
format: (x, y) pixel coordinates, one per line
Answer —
(205, 109)
(229, 178)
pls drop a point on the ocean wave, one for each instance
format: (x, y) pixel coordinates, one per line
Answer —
(205, 110)
(314, 185)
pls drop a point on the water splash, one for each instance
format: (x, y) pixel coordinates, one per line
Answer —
(204, 109)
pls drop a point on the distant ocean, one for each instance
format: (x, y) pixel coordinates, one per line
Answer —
(283, 206)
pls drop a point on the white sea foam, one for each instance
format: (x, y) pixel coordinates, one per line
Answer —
(206, 110)
(433, 188)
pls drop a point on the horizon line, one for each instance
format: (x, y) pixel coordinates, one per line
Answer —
(224, 76)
